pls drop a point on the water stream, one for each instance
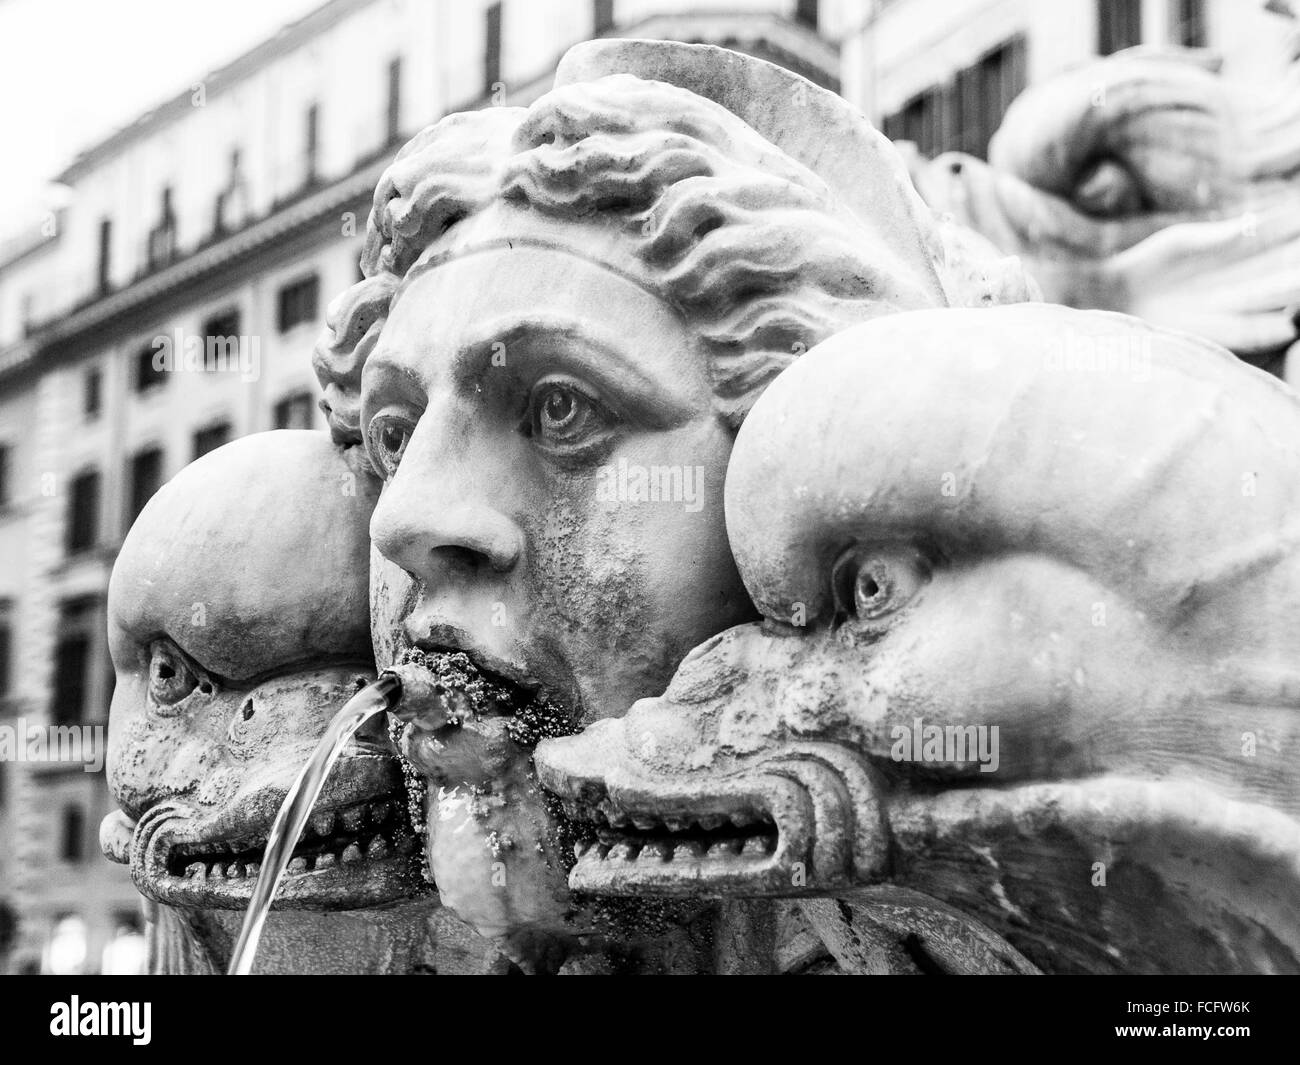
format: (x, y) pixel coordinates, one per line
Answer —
(373, 699)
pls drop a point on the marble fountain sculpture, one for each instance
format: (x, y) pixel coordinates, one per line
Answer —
(1153, 181)
(678, 456)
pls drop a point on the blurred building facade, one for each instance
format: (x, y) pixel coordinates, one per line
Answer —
(941, 73)
(236, 209)
(231, 213)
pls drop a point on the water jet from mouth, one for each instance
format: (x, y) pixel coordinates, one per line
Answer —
(375, 698)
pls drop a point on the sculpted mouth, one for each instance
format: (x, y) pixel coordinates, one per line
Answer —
(805, 821)
(700, 847)
(353, 835)
(351, 855)
(440, 639)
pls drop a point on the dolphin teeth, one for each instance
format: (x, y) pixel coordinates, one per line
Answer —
(730, 845)
(252, 868)
(325, 861)
(234, 871)
(195, 871)
(690, 851)
(378, 848)
(742, 818)
(656, 850)
(351, 854)
(676, 824)
(643, 823)
(322, 824)
(755, 847)
(217, 870)
(298, 865)
(711, 821)
(353, 818)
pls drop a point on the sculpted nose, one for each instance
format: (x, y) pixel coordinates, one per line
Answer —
(436, 517)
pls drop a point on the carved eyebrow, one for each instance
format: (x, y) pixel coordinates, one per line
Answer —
(576, 346)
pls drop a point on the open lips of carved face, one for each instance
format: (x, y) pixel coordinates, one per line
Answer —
(1076, 575)
(239, 624)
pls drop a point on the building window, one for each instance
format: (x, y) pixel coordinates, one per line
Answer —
(312, 144)
(603, 16)
(72, 834)
(6, 648)
(964, 115)
(5, 452)
(295, 411)
(91, 398)
(221, 340)
(105, 257)
(1187, 23)
(298, 301)
(80, 621)
(127, 953)
(162, 238)
(66, 953)
(919, 122)
(1119, 25)
(146, 478)
(232, 201)
(984, 92)
(147, 374)
(211, 438)
(492, 49)
(805, 11)
(393, 118)
(82, 532)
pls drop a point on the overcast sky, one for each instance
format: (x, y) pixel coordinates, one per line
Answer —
(73, 71)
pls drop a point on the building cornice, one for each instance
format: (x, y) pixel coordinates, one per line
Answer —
(286, 40)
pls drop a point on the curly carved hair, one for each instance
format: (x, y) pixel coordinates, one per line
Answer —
(746, 242)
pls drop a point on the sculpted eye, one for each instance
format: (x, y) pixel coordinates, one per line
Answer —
(387, 436)
(171, 677)
(871, 583)
(560, 414)
(1107, 189)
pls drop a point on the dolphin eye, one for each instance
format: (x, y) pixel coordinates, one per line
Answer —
(871, 583)
(1107, 188)
(171, 677)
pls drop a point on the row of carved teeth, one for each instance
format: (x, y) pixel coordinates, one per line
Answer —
(607, 814)
(359, 850)
(667, 850)
(351, 821)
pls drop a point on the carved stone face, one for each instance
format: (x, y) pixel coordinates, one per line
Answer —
(238, 620)
(504, 426)
(508, 390)
(1005, 639)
